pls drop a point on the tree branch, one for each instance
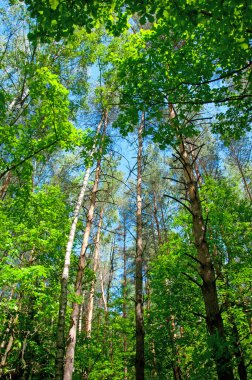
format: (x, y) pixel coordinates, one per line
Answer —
(175, 180)
(194, 258)
(177, 200)
(27, 158)
(192, 279)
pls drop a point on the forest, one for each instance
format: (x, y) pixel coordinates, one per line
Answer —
(125, 190)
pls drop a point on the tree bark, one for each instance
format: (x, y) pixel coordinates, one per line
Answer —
(124, 296)
(155, 212)
(104, 300)
(90, 303)
(242, 370)
(60, 339)
(206, 271)
(140, 362)
(5, 186)
(71, 341)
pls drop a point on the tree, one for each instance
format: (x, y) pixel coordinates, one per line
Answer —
(167, 294)
(139, 262)
(65, 274)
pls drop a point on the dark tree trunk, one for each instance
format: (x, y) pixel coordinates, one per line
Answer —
(206, 271)
(242, 370)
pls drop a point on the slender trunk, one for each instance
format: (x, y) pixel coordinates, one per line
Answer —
(153, 351)
(111, 270)
(206, 271)
(237, 347)
(81, 314)
(156, 217)
(244, 179)
(154, 238)
(69, 361)
(139, 263)
(242, 370)
(124, 297)
(104, 300)
(177, 374)
(71, 341)
(9, 345)
(236, 159)
(90, 303)
(60, 340)
(164, 228)
(5, 185)
(152, 343)
(7, 350)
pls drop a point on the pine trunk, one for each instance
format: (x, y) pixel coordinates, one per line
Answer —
(206, 271)
(124, 297)
(139, 264)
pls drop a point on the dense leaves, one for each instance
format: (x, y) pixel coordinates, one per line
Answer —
(78, 79)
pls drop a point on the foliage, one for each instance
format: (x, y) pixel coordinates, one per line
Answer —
(184, 66)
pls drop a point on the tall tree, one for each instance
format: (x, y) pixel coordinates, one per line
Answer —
(60, 344)
(139, 260)
(71, 341)
(206, 268)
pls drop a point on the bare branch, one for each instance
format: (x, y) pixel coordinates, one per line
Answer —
(175, 180)
(177, 200)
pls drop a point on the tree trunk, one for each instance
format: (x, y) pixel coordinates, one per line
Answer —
(124, 296)
(240, 168)
(90, 303)
(154, 373)
(60, 340)
(206, 271)
(177, 374)
(139, 263)
(5, 185)
(155, 211)
(242, 370)
(111, 270)
(6, 352)
(104, 300)
(71, 341)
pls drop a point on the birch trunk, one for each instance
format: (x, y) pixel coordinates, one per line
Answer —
(103, 293)
(139, 263)
(71, 341)
(60, 340)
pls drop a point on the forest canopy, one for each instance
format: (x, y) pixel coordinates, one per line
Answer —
(125, 190)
